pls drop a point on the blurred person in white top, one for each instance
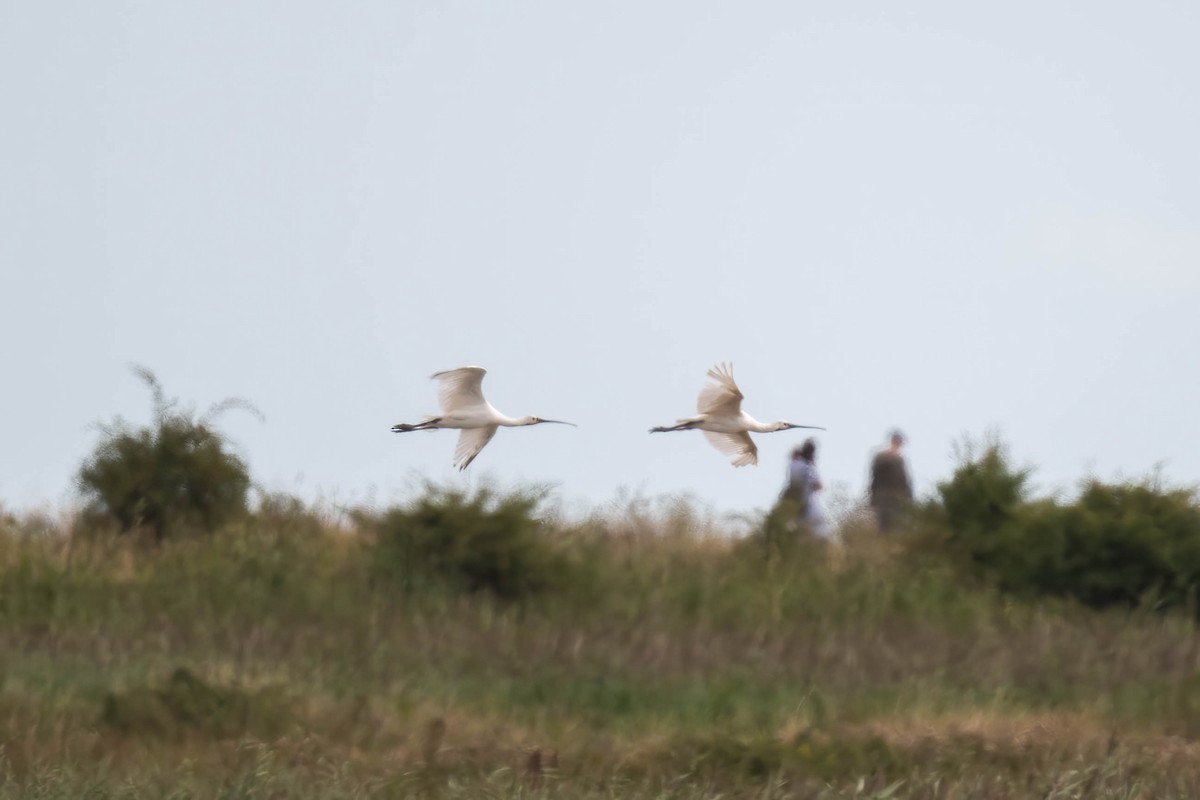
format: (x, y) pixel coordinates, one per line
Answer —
(803, 487)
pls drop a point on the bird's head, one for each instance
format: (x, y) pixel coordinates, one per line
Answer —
(784, 425)
(538, 420)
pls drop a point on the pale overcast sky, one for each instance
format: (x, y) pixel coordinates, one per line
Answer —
(942, 216)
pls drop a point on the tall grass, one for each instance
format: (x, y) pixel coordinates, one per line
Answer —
(276, 658)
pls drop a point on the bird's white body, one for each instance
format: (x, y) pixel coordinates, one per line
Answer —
(716, 423)
(464, 408)
(723, 422)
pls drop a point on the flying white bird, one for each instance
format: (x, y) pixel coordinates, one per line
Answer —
(724, 423)
(463, 407)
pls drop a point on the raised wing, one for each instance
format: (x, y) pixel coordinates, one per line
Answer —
(460, 388)
(738, 445)
(470, 442)
(722, 398)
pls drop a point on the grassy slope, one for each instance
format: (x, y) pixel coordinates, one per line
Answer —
(272, 661)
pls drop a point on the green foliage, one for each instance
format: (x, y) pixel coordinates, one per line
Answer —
(985, 493)
(696, 668)
(481, 541)
(986, 518)
(177, 473)
(188, 705)
(1115, 545)
(1120, 544)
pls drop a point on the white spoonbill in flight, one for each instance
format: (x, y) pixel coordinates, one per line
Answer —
(463, 406)
(724, 423)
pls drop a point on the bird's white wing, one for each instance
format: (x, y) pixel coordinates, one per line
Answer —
(460, 388)
(723, 397)
(470, 442)
(738, 445)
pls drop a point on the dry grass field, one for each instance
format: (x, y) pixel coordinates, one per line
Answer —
(288, 655)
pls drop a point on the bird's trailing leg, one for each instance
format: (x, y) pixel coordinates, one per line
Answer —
(424, 425)
(682, 426)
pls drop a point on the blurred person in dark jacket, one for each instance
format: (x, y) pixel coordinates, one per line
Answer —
(891, 488)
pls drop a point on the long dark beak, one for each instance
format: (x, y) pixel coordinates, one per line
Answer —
(559, 422)
(809, 427)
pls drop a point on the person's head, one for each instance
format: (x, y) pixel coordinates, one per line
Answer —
(806, 451)
(896, 438)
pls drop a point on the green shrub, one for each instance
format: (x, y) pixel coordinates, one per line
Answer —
(1123, 543)
(977, 517)
(1116, 544)
(475, 542)
(176, 472)
(985, 493)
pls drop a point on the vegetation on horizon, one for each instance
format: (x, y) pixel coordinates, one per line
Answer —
(472, 644)
(178, 472)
